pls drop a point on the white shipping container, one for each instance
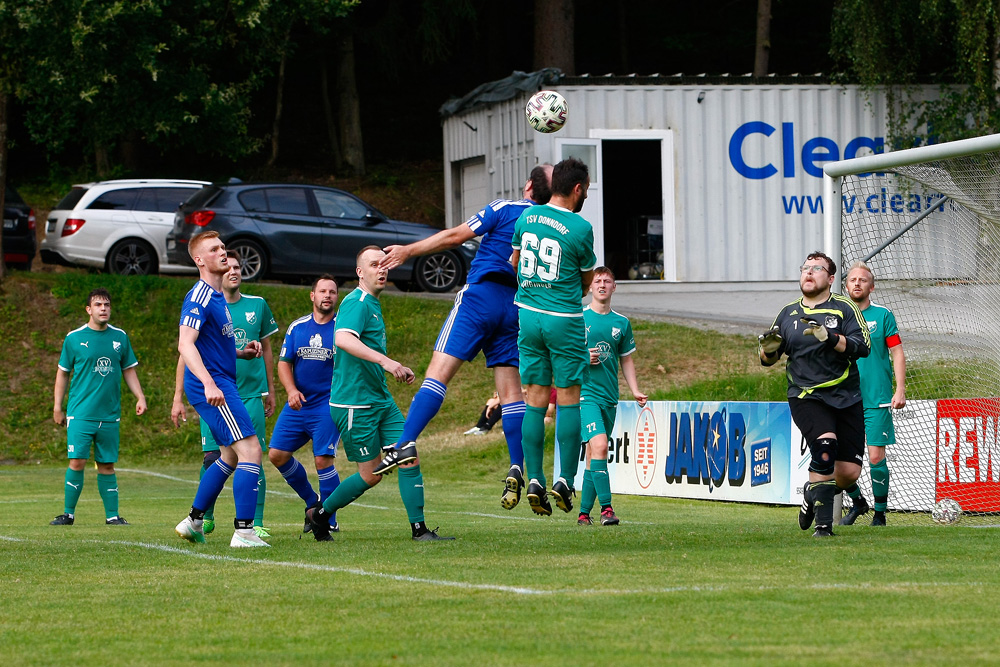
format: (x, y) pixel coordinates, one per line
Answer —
(730, 174)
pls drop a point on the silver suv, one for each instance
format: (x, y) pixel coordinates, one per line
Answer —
(120, 226)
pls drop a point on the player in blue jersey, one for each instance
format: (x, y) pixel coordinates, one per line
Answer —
(305, 368)
(208, 346)
(484, 318)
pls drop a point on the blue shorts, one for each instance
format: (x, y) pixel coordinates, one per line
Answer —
(484, 318)
(228, 422)
(297, 427)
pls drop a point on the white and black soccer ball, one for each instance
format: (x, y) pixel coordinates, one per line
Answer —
(946, 511)
(546, 111)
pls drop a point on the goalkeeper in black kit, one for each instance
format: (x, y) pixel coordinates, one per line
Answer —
(822, 334)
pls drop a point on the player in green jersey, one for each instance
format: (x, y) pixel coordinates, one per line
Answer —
(611, 343)
(877, 372)
(554, 260)
(98, 356)
(252, 320)
(367, 417)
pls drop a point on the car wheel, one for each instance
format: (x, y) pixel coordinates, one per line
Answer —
(132, 257)
(441, 272)
(253, 258)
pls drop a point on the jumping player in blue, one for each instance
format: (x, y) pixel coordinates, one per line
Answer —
(305, 368)
(208, 346)
(484, 318)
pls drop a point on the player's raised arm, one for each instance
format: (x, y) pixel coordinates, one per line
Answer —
(446, 239)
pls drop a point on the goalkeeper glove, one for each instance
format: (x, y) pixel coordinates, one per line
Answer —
(770, 341)
(814, 328)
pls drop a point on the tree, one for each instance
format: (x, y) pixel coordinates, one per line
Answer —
(763, 43)
(896, 44)
(555, 21)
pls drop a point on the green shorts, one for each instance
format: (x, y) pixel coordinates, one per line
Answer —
(879, 430)
(81, 432)
(255, 406)
(596, 419)
(553, 350)
(363, 431)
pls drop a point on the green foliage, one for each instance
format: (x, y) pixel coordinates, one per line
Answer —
(895, 44)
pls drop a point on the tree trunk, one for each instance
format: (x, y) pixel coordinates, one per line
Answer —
(349, 108)
(279, 96)
(328, 115)
(101, 162)
(762, 51)
(554, 23)
(3, 173)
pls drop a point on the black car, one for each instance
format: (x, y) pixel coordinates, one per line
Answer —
(305, 230)
(19, 240)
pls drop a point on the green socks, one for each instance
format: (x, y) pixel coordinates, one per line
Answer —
(854, 491)
(880, 485)
(568, 435)
(349, 490)
(258, 515)
(107, 486)
(602, 483)
(73, 487)
(588, 494)
(411, 490)
(533, 442)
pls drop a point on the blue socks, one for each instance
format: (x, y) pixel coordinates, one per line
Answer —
(512, 418)
(295, 475)
(211, 485)
(329, 480)
(425, 405)
(245, 488)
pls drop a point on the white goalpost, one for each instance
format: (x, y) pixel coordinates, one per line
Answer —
(927, 221)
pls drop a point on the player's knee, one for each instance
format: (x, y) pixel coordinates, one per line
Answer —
(278, 457)
(414, 462)
(369, 478)
(876, 455)
(210, 458)
(597, 449)
(824, 455)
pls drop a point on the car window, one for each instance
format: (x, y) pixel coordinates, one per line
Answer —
(253, 200)
(115, 200)
(163, 200)
(287, 200)
(337, 205)
(68, 202)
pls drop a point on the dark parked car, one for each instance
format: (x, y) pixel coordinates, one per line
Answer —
(19, 240)
(306, 230)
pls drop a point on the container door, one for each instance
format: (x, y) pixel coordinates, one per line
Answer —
(589, 151)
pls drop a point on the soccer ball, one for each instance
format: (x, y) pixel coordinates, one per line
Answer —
(546, 111)
(946, 511)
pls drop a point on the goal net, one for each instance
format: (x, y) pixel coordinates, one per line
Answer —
(927, 222)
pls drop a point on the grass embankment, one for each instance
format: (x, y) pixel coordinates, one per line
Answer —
(37, 310)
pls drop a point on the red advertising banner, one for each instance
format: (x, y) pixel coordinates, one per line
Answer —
(968, 453)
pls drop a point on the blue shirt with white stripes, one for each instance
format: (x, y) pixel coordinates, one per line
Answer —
(495, 224)
(309, 347)
(205, 311)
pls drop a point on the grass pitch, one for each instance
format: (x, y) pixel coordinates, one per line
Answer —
(678, 582)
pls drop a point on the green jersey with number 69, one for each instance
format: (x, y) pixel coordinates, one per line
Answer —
(612, 335)
(556, 246)
(252, 320)
(96, 359)
(358, 383)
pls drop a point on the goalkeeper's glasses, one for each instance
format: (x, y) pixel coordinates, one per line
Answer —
(813, 269)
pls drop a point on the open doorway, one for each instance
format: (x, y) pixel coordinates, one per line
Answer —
(633, 229)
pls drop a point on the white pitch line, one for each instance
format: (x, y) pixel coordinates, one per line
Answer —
(10, 539)
(520, 590)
